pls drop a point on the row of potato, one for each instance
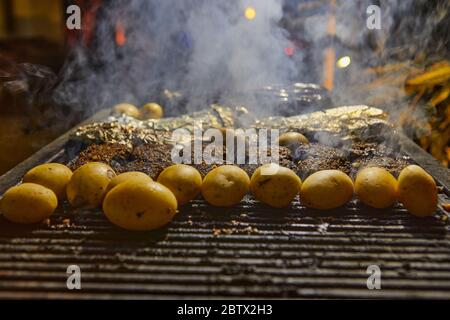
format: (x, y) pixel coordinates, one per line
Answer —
(133, 201)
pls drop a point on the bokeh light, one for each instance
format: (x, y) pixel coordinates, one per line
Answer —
(250, 13)
(289, 51)
(343, 62)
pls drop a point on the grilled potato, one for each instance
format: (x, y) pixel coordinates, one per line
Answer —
(127, 176)
(376, 187)
(225, 186)
(292, 140)
(88, 185)
(151, 111)
(277, 188)
(54, 176)
(140, 205)
(417, 191)
(28, 203)
(184, 181)
(127, 109)
(327, 189)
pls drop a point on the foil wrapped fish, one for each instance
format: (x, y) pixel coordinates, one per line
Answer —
(346, 122)
(343, 122)
(126, 130)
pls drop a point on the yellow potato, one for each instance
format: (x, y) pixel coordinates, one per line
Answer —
(151, 111)
(292, 139)
(140, 205)
(54, 176)
(225, 186)
(376, 187)
(28, 203)
(417, 191)
(277, 188)
(88, 185)
(127, 109)
(127, 176)
(327, 189)
(184, 181)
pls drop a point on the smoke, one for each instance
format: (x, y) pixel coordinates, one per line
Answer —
(208, 50)
(409, 28)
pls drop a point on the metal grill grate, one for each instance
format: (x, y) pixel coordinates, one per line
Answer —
(247, 251)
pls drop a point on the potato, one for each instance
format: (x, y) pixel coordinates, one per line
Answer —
(292, 140)
(327, 189)
(417, 191)
(88, 185)
(225, 186)
(127, 176)
(277, 188)
(140, 205)
(184, 181)
(28, 203)
(376, 187)
(127, 109)
(54, 176)
(151, 110)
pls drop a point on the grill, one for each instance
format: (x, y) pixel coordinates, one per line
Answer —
(248, 251)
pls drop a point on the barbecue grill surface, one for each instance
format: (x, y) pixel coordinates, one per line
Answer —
(248, 251)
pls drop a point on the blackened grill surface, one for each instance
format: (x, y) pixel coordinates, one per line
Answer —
(247, 251)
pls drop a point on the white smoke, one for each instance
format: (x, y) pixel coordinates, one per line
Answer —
(207, 49)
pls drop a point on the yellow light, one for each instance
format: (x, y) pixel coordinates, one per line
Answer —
(250, 13)
(343, 62)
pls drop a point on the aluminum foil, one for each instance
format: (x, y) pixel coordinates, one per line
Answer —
(345, 122)
(122, 129)
(127, 133)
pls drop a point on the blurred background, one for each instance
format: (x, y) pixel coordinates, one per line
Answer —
(51, 78)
